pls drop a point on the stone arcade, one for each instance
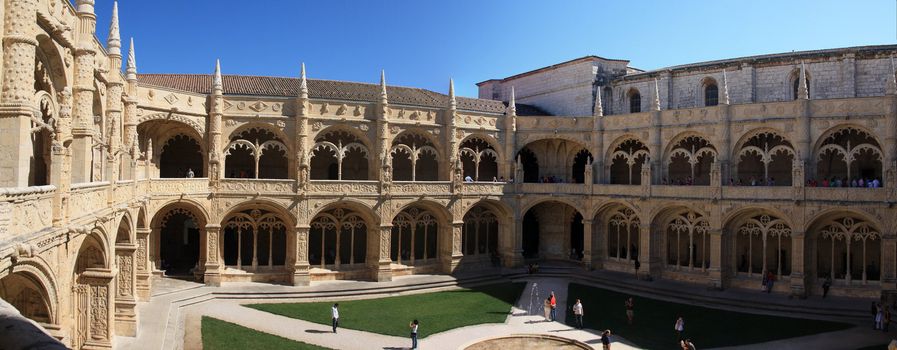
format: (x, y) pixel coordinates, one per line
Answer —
(108, 177)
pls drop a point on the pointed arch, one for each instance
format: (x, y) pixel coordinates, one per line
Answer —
(689, 157)
(415, 157)
(764, 156)
(849, 153)
(627, 155)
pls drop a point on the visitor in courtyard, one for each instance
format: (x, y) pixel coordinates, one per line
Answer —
(605, 339)
(636, 265)
(468, 179)
(554, 307)
(679, 327)
(630, 309)
(413, 327)
(826, 285)
(877, 319)
(577, 313)
(770, 281)
(334, 314)
(190, 173)
(546, 308)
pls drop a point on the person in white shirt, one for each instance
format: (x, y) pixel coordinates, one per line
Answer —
(577, 313)
(468, 179)
(413, 327)
(334, 313)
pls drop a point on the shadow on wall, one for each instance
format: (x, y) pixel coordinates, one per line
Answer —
(18, 332)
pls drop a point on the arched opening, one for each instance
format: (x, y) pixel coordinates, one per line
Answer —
(337, 240)
(178, 242)
(765, 159)
(687, 241)
(622, 234)
(554, 231)
(254, 240)
(339, 155)
(635, 100)
(848, 157)
(26, 293)
(42, 141)
(414, 158)
(762, 243)
(711, 92)
(581, 160)
(414, 238)
(181, 156)
(848, 249)
(256, 153)
(90, 294)
(527, 160)
(479, 235)
(690, 160)
(479, 160)
(626, 162)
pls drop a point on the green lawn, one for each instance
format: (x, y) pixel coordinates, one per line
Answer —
(220, 335)
(707, 328)
(437, 312)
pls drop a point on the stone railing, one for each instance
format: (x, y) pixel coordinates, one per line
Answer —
(421, 187)
(618, 190)
(258, 186)
(486, 188)
(343, 187)
(755, 192)
(124, 191)
(178, 186)
(87, 197)
(695, 192)
(24, 210)
(845, 194)
(549, 188)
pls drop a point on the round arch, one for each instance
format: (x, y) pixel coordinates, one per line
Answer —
(175, 237)
(844, 245)
(553, 232)
(851, 152)
(360, 207)
(262, 203)
(38, 272)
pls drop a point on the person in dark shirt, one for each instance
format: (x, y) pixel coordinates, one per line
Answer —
(605, 339)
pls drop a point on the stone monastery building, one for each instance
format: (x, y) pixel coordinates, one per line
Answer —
(109, 176)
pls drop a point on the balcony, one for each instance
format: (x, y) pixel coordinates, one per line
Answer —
(24, 210)
(344, 187)
(258, 186)
(179, 186)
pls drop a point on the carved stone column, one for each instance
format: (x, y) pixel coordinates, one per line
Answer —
(888, 272)
(651, 263)
(99, 315)
(454, 257)
(212, 275)
(383, 267)
(142, 264)
(799, 287)
(716, 259)
(82, 130)
(511, 254)
(16, 110)
(301, 276)
(125, 301)
(587, 243)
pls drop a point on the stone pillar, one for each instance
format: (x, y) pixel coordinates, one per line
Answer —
(655, 149)
(799, 286)
(99, 311)
(587, 243)
(83, 92)
(725, 147)
(125, 301)
(888, 264)
(212, 275)
(301, 276)
(141, 265)
(16, 108)
(651, 264)
(455, 255)
(715, 275)
(383, 265)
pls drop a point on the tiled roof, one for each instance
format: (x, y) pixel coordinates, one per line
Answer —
(323, 89)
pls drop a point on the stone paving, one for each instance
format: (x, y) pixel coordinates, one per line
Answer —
(172, 319)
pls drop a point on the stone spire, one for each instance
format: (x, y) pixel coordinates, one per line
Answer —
(512, 105)
(803, 92)
(453, 103)
(656, 96)
(891, 81)
(113, 43)
(383, 95)
(217, 85)
(303, 83)
(724, 98)
(598, 110)
(131, 71)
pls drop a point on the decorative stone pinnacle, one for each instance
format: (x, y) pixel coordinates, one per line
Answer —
(656, 96)
(891, 87)
(114, 41)
(217, 82)
(303, 83)
(512, 104)
(132, 63)
(383, 94)
(803, 92)
(452, 101)
(598, 110)
(725, 97)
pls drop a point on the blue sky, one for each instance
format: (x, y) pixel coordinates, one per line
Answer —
(424, 43)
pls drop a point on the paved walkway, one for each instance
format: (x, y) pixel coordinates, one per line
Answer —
(172, 319)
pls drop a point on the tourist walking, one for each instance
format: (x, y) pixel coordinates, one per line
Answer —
(826, 285)
(605, 339)
(878, 317)
(554, 307)
(630, 313)
(680, 327)
(546, 308)
(334, 314)
(413, 327)
(577, 313)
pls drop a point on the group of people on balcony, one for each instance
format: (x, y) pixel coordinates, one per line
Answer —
(686, 181)
(551, 180)
(469, 178)
(771, 181)
(836, 182)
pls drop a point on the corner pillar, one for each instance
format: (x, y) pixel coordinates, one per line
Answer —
(125, 301)
(212, 274)
(716, 257)
(301, 276)
(383, 266)
(141, 265)
(453, 259)
(799, 286)
(587, 244)
(99, 315)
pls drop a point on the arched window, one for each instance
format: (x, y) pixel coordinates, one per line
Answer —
(765, 160)
(849, 248)
(253, 239)
(414, 158)
(527, 166)
(339, 155)
(635, 101)
(688, 241)
(623, 235)
(763, 243)
(711, 93)
(414, 234)
(480, 232)
(690, 160)
(849, 155)
(479, 160)
(42, 130)
(627, 161)
(256, 153)
(337, 238)
(181, 154)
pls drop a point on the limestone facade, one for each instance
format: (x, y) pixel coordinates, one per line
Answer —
(109, 176)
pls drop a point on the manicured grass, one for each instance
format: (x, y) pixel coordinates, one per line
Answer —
(436, 312)
(707, 328)
(221, 335)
